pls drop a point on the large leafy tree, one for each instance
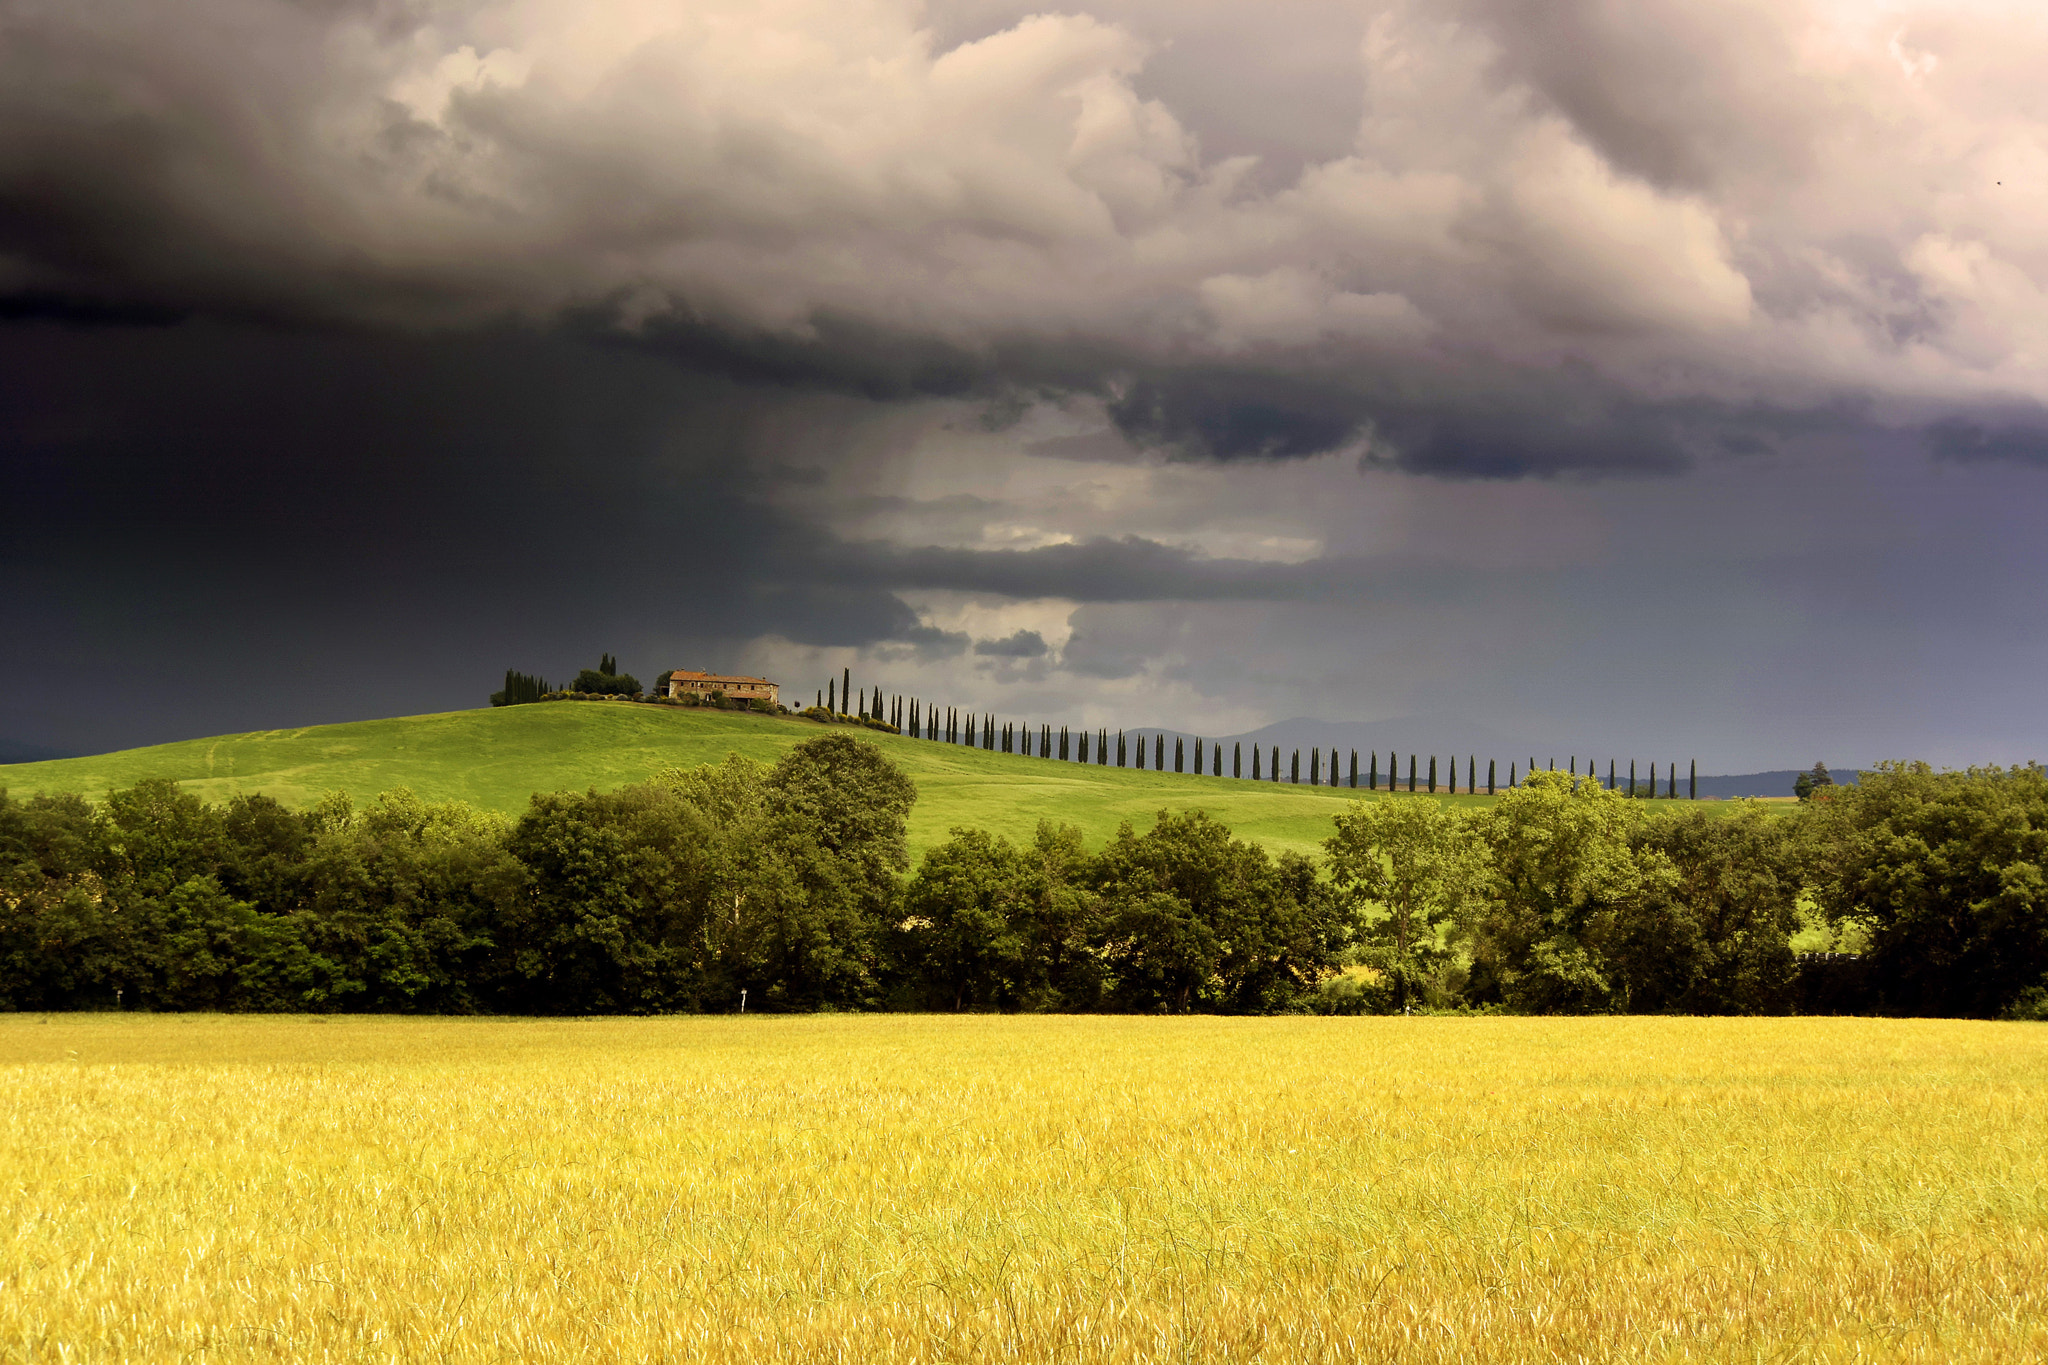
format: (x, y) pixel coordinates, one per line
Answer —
(960, 936)
(1945, 874)
(1715, 937)
(1194, 919)
(1565, 874)
(1412, 867)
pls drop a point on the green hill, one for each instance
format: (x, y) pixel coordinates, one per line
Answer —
(498, 758)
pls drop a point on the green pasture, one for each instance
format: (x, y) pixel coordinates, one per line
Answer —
(498, 758)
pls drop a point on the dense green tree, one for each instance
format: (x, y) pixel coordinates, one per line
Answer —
(1565, 874)
(1814, 779)
(522, 688)
(1411, 868)
(1194, 919)
(956, 936)
(603, 681)
(62, 943)
(1716, 936)
(986, 925)
(1943, 873)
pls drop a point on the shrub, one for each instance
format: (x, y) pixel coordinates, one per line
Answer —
(1352, 990)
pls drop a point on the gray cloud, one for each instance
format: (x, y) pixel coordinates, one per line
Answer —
(1957, 438)
(1025, 644)
(1245, 358)
(1661, 210)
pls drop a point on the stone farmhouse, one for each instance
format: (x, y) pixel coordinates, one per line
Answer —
(688, 682)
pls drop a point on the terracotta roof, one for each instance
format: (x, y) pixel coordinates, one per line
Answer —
(691, 675)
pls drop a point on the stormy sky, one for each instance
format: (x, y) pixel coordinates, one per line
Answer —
(1667, 375)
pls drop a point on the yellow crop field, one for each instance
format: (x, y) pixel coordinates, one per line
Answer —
(890, 1188)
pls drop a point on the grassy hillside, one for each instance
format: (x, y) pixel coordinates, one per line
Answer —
(498, 758)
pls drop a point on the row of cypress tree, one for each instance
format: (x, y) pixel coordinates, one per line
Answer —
(953, 725)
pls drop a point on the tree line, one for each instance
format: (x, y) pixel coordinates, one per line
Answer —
(788, 887)
(980, 729)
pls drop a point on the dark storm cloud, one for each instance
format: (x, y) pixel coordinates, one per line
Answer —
(346, 345)
(1957, 438)
(987, 203)
(1025, 644)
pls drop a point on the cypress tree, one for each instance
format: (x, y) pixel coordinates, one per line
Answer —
(1610, 774)
(1102, 749)
(1119, 748)
(845, 688)
(1671, 790)
(1354, 770)
(1372, 777)
(1159, 752)
(1471, 774)
(1692, 782)
(1575, 765)
(1081, 747)
(1315, 766)
(1237, 759)
(1063, 744)
(1294, 769)
(1631, 777)
(1335, 759)
(1432, 774)
(1255, 763)
(831, 697)
(1411, 771)
(1511, 773)
(1275, 764)
(1489, 775)
(820, 703)
(1179, 752)
(1198, 755)
(1216, 759)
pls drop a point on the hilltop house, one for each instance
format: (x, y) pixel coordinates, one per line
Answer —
(688, 682)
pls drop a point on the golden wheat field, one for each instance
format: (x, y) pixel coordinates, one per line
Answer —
(889, 1188)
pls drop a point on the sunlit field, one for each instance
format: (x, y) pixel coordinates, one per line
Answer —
(897, 1188)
